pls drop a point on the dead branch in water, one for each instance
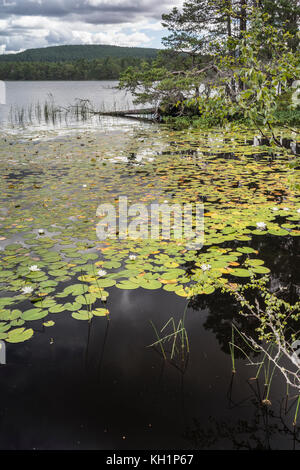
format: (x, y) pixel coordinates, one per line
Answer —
(128, 112)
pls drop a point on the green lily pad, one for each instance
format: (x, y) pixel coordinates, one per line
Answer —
(49, 323)
(111, 264)
(82, 315)
(127, 285)
(34, 314)
(150, 284)
(86, 299)
(105, 282)
(240, 272)
(100, 312)
(261, 270)
(74, 289)
(57, 308)
(19, 335)
(172, 274)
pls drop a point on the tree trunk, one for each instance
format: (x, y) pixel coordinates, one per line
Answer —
(243, 17)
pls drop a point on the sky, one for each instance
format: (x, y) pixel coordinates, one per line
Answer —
(27, 24)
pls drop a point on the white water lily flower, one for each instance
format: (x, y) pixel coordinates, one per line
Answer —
(275, 209)
(84, 185)
(205, 267)
(261, 225)
(34, 268)
(286, 209)
(132, 257)
(27, 290)
(298, 210)
(102, 273)
(41, 231)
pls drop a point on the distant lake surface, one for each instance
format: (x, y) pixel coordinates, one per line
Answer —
(24, 99)
(100, 93)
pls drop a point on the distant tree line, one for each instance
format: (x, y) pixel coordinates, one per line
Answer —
(83, 69)
(73, 53)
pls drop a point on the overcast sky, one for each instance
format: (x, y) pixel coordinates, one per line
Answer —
(26, 24)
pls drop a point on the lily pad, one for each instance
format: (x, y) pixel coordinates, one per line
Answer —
(100, 312)
(19, 335)
(34, 314)
(240, 272)
(82, 315)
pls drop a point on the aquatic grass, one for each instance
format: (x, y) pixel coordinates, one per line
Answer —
(231, 348)
(181, 351)
(268, 383)
(296, 412)
(264, 364)
(159, 341)
(49, 112)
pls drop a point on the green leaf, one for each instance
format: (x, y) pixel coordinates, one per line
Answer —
(261, 270)
(74, 289)
(172, 274)
(82, 315)
(100, 312)
(111, 264)
(19, 335)
(86, 299)
(57, 308)
(127, 285)
(240, 272)
(49, 323)
(150, 284)
(34, 314)
(105, 282)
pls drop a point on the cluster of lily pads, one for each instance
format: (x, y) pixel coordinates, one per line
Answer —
(51, 260)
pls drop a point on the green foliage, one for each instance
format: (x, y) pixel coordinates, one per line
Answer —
(277, 317)
(240, 74)
(287, 117)
(83, 69)
(86, 62)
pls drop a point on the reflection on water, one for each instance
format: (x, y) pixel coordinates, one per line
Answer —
(96, 386)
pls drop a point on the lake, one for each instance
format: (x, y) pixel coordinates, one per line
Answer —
(81, 370)
(102, 94)
(65, 93)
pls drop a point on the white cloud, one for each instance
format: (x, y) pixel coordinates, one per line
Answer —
(38, 23)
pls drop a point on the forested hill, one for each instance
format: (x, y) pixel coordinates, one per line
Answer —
(72, 53)
(87, 62)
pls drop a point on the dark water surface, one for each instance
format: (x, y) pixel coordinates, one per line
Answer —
(96, 385)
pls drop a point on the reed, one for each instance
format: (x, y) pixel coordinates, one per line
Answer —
(177, 338)
(231, 349)
(296, 412)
